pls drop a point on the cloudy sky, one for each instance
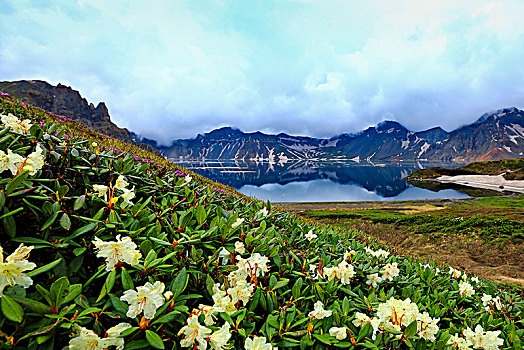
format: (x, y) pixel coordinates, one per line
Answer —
(173, 69)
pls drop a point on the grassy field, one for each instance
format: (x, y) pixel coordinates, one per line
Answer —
(484, 236)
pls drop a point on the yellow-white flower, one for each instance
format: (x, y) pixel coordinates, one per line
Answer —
(481, 339)
(338, 332)
(15, 124)
(310, 235)
(147, 298)
(124, 250)
(209, 313)
(239, 247)
(101, 191)
(256, 264)
(128, 195)
(87, 339)
(219, 338)
(257, 343)
(373, 280)
(225, 255)
(241, 292)
(457, 342)
(238, 222)
(195, 334)
(390, 271)
(121, 183)
(454, 272)
(263, 212)
(466, 289)
(11, 270)
(319, 312)
(427, 326)
(188, 179)
(17, 163)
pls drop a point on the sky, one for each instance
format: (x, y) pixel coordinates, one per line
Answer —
(174, 69)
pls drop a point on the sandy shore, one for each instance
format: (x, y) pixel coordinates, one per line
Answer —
(492, 182)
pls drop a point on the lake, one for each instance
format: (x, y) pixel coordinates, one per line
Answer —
(307, 181)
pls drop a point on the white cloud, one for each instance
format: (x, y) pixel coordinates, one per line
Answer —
(172, 69)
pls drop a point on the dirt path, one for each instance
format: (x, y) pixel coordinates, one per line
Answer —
(500, 261)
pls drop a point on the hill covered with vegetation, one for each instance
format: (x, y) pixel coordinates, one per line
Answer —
(105, 245)
(513, 167)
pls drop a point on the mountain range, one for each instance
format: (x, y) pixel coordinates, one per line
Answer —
(495, 135)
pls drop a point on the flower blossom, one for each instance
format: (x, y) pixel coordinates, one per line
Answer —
(257, 343)
(15, 124)
(373, 280)
(319, 312)
(310, 235)
(263, 212)
(195, 334)
(390, 271)
(147, 298)
(338, 332)
(466, 289)
(480, 339)
(343, 272)
(16, 163)
(237, 223)
(219, 338)
(239, 247)
(11, 270)
(87, 339)
(123, 250)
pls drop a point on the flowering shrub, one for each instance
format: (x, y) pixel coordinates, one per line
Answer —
(180, 264)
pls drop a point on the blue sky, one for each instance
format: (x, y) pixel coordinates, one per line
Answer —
(173, 69)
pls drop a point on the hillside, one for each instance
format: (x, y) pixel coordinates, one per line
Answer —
(511, 168)
(497, 135)
(105, 245)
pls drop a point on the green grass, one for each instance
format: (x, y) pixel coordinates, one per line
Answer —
(494, 167)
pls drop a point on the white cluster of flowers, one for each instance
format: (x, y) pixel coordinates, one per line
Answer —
(454, 272)
(227, 299)
(87, 339)
(12, 122)
(121, 185)
(428, 266)
(466, 289)
(123, 250)
(343, 272)
(147, 298)
(389, 272)
(378, 253)
(13, 267)
(395, 315)
(17, 164)
(478, 339)
(319, 312)
(263, 212)
(238, 222)
(488, 302)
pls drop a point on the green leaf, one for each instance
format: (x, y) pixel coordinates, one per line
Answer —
(11, 309)
(65, 222)
(168, 318)
(179, 283)
(79, 202)
(44, 268)
(411, 329)
(154, 340)
(9, 224)
(50, 221)
(17, 181)
(59, 290)
(33, 305)
(110, 280)
(282, 283)
(81, 231)
(201, 214)
(118, 304)
(127, 281)
(73, 292)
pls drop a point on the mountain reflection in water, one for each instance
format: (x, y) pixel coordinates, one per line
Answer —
(308, 181)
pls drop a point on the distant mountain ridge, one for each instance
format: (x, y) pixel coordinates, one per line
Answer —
(497, 135)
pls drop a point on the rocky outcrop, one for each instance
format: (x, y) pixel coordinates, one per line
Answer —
(65, 101)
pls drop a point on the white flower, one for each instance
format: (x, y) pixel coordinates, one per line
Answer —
(454, 272)
(239, 247)
(348, 255)
(209, 313)
(94, 144)
(225, 255)
(459, 343)
(87, 339)
(195, 334)
(11, 270)
(390, 271)
(101, 191)
(147, 298)
(35, 161)
(487, 340)
(121, 183)
(241, 292)
(466, 289)
(361, 319)
(373, 280)
(338, 332)
(310, 235)
(19, 126)
(319, 312)
(379, 253)
(16, 163)
(427, 326)
(188, 179)
(475, 279)
(263, 212)
(237, 223)
(128, 195)
(257, 343)
(123, 250)
(219, 338)
(343, 271)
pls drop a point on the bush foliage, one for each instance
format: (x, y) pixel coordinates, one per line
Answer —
(102, 249)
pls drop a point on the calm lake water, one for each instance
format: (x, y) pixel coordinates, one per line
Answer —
(307, 181)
